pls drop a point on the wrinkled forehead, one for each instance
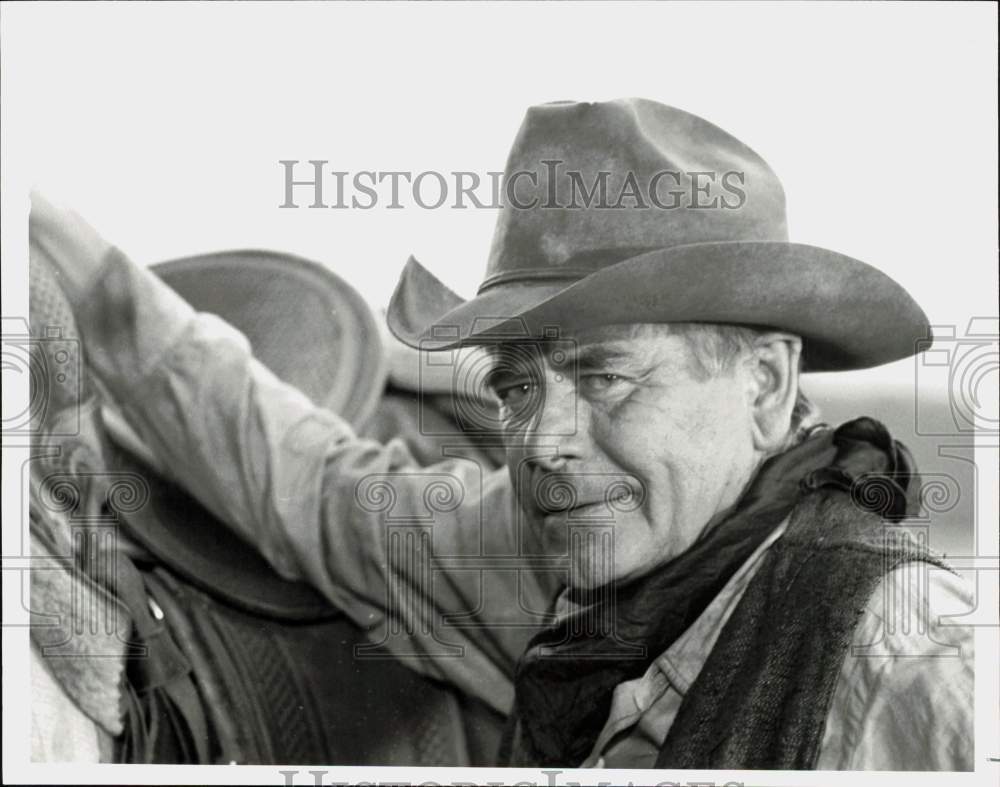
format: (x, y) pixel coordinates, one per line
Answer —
(636, 343)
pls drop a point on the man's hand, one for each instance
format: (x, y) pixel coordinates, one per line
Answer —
(72, 246)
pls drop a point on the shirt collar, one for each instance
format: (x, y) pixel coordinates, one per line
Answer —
(683, 660)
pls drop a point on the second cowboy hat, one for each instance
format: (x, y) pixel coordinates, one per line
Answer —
(630, 211)
(304, 322)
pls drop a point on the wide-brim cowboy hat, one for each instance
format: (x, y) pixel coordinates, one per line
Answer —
(691, 228)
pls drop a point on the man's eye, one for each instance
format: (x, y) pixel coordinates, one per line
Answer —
(598, 383)
(514, 395)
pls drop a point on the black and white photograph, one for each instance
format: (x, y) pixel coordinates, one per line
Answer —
(542, 393)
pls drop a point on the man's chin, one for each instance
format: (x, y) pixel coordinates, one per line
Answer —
(594, 555)
(593, 558)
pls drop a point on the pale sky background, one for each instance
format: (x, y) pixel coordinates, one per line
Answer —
(164, 125)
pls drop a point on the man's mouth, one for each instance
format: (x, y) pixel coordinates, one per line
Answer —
(585, 495)
(590, 510)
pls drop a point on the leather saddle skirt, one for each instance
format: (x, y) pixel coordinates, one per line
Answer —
(272, 662)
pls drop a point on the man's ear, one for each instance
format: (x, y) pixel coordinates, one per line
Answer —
(774, 371)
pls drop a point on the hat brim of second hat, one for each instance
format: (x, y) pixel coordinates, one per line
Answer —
(304, 322)
(848, 314)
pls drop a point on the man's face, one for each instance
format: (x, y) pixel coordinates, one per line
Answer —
(615, 438)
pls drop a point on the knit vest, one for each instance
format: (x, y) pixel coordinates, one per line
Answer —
(763, 695)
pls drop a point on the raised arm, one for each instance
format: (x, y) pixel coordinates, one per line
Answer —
(355, 518)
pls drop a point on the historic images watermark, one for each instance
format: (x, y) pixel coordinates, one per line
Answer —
(318, 778)
(550, 186)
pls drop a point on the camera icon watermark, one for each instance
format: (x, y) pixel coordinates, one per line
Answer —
(964, 368)
(51, 363)
(500, 387)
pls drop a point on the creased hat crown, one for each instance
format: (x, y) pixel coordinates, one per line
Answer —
(590, 184)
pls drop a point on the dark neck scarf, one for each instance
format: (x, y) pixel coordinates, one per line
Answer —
(564, 682)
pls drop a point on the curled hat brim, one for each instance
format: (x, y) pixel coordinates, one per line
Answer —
(849, 314)
(304, 322)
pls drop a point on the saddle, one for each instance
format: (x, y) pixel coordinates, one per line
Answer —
(239, 665)
(272, 662)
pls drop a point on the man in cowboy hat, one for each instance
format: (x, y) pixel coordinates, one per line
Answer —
(678, 562)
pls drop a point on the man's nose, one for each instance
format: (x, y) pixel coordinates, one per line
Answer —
(556, 436)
